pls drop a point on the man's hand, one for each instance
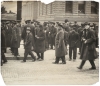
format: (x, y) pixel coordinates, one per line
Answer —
(85, 42)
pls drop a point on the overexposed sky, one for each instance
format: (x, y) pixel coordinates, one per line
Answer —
(10, 6)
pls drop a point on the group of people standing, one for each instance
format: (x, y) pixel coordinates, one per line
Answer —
(39, 37)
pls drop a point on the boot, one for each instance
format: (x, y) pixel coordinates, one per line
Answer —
(82, 64)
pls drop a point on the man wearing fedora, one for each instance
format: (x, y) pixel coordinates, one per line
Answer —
(28, 45)
(88, 51)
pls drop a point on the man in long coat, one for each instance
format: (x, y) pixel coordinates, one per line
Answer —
(16, 39)
(3, 46)
(53, 32)
(60, 49)
(40, 43)
(8, 33)
(88, 51)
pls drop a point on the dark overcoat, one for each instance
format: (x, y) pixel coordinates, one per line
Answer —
(16, 37)
(53, 32)
(88, 51)
(73, 38)
(3, 41)
(8, 35)
(59, 41)
(66, 27)
(28, 41)
(40, 42)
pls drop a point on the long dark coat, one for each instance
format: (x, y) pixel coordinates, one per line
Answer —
(88, 51)
(16, 37)
(53, 32)
(40, 42)
(59, 40)
(8, 35)
(3, 41)
(28, 41)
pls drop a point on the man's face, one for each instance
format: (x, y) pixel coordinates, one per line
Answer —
(87, 26)
(27, 31)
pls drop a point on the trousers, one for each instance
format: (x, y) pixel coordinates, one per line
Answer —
(74, 50)
(28, 51)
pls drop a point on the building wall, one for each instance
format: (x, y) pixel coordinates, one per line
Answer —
(55, 11)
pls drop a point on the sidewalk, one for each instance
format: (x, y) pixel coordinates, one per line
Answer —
(46, 73)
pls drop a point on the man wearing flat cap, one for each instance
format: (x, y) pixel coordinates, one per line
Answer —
(32, 31)
(28, 44)
(88, 51)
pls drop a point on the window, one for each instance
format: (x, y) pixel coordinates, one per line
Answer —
(94, 7)
(68, 8)
(81, 7)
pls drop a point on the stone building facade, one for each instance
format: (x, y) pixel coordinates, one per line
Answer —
(80, 11)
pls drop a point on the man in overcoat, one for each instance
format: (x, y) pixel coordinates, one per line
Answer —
(60, 49)
(88, 51)
(40, 43)
(73, 40)
(16, 38)
(3, 46)
(28, 45)
(53, 32)
(8, 33)
(80, 30)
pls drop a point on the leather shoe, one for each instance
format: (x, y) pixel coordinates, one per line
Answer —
(63, 62)
(79, 67)
(55, 63)
(23, 61)
(92, 68)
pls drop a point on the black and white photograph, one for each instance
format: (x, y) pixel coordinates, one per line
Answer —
(55, 43)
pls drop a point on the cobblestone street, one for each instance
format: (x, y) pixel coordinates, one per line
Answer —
(46, 73)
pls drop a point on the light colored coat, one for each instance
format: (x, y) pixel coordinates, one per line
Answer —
(59, 41)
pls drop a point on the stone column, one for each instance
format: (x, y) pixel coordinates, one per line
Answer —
(75, 7)
(88, 7)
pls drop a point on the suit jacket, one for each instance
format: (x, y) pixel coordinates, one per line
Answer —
(73, 38)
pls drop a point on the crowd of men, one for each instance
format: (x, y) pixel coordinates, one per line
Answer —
(39, 37)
